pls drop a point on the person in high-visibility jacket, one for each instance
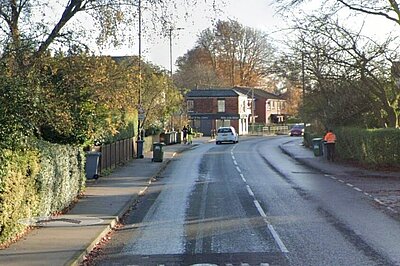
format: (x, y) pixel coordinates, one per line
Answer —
(330, 140)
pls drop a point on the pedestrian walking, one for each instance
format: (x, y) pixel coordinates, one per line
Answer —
(330, 140)
(189, 134)
(185, 133)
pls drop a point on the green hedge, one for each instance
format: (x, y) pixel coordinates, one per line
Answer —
(18, 196)
(375, 147)
(37, 182)
(372, 147)
(61, 177)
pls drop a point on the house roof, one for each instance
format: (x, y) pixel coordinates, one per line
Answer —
(258, 93)
(214, 93)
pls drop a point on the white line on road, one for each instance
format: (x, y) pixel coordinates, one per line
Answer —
(233, 157)
(358, 189)
(235, 163)
(249, 190)
(244, 179)
(380, 202)
(350, 185)
(340, 180)
(238, 169)
(277, 239)
(259, 208)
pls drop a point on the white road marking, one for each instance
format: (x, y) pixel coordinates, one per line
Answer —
(249, 190)
(277, 239)
(350, 185)
(259, 209)
(358, 189)
(380, 202)
(340, 180)
(235, 163)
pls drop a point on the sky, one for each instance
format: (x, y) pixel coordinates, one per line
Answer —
(258, 14)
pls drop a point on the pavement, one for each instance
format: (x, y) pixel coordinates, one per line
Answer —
(67, 239)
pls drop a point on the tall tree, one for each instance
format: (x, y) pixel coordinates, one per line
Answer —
(386, 9)
(349, 73)
(235, 54)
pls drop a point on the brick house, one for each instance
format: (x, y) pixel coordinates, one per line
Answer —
(269, 108)
(209, 109)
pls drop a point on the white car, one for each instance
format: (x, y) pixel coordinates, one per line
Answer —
(227, 134)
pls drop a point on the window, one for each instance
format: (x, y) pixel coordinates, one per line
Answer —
(190, 105)
(221, 106)
(268, 105)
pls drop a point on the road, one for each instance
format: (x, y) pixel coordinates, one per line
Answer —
(249, 204)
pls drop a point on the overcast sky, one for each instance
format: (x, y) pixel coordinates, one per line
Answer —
(257, 14)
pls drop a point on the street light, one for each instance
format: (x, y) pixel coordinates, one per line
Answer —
(171, 29)
(139, 142)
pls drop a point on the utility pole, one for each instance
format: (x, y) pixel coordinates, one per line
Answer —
(252, 110)
(303, 81)
(139, 142)
(171, 29)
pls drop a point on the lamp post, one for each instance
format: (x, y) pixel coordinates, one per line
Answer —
(171, 29)
(139, 141)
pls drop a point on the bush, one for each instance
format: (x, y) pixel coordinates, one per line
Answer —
(18, 196)
(61, 177)
(375, 147)
(37, 182)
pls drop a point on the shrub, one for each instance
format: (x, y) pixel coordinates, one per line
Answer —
(18, 197)
(37, 182)
(375, 147)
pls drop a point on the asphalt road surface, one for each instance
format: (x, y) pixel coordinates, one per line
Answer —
(249, 204)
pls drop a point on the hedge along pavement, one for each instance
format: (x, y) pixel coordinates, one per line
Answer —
(375, 147)
(372, 147)
(37, 182)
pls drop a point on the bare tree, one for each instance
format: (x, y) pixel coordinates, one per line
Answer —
(387, 9)
(238, 55)
(34, 25)
(347, 70)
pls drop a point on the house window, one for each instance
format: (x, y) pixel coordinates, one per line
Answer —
(190, 105)
(221, 106)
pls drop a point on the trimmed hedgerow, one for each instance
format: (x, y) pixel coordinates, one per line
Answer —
(18, 197)
(61, 177)
(375, 147)
(37, 182)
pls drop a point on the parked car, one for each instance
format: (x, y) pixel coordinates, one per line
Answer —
(227, 134)
(297, 130)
